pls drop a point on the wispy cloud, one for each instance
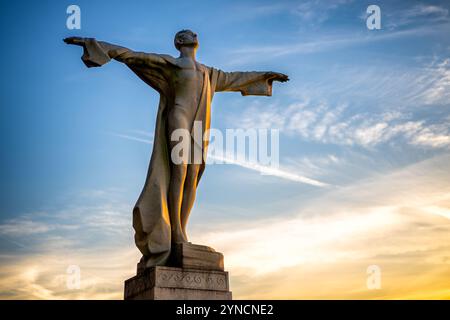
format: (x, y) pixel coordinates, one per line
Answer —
(382, 104)
(317, 165)
(385, 86)
(437, 90)
(323, 123)
(131, 137)
(45, 276)
(322, 43)
(416, 15)
(315, 12)
(16, 227)
(309, 13)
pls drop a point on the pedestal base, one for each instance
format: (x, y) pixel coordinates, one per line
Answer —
(193, 256)
(168, 283)
(190, 256)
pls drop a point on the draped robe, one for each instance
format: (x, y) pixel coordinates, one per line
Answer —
(151, 219)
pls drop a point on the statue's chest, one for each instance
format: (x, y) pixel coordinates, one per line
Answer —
(189, 76)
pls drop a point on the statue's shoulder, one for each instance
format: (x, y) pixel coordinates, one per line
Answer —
(204, 66)
(169, 59)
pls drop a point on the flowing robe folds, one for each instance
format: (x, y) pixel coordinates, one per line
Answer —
(151, 219)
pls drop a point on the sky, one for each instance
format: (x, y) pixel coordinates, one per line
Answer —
(365, 115)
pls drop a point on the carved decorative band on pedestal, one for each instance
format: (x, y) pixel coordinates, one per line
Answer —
(192, 279)
(176, 283)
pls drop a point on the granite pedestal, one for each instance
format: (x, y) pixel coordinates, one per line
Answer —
(194, 272)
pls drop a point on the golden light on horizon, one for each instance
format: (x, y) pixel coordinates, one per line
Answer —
(398, 222)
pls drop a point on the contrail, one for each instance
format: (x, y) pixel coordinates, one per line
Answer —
(267, 170)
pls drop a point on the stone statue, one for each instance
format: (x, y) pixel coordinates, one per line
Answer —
(186, 89)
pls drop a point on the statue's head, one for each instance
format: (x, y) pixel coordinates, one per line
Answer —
(185, 38)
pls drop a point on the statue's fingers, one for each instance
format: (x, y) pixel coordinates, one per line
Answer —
(70, 40)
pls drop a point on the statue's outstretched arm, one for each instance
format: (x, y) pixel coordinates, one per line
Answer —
(97, 53)
(248, 83)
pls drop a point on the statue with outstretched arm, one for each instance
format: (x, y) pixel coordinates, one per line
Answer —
(186, 89)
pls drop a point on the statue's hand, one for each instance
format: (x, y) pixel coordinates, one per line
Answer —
(276, 76)
(78, 41)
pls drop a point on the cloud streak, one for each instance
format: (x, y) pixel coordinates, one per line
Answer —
(270, 171)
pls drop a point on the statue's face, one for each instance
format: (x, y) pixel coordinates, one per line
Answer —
(186, 38)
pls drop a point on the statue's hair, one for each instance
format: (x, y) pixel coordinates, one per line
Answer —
(178, 35)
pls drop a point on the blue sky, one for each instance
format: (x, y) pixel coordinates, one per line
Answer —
(365, 111)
